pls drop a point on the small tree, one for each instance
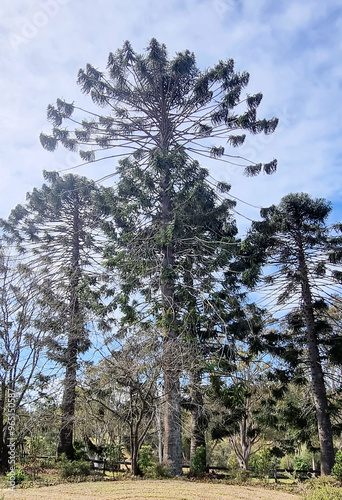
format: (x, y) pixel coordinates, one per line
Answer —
(125, 384)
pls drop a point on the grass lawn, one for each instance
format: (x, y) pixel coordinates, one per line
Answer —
(146, 489)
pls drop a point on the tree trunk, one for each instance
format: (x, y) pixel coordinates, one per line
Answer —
(242, 443)
(197, 415)
(317, 377)
(74, 334)
(160, 433)
(172, 412)
(65, 444)
(135, 470)
(198, 420)
(246, 443)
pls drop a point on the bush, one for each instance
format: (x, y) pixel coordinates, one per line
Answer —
(261, 463)
(324, 492)
(149, 468)
(19, 476)
(337, 469)
(158, 471)
(198, 462)
(145, 458)
(264, 462)
(242, 475)
(69, 468)
(300, 467)
(235, 471)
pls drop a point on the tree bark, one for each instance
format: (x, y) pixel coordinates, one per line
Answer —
(75, 332)
(243, 449)
(65, 444)
(160, 433)
(317, 377)
(172, 411)
(134, 452)
(197, 415)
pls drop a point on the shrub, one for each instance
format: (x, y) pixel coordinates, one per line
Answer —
(261, 463)
(198, 461)
(150, 468)
(242, 475)
(158, 471)
(287, 462)
(145, 458)
(19, 476)
(300, 467)
(235, 471)
(324, 492)
(69, 468)
(337, 469)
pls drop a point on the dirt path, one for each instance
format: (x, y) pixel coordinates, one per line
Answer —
(151, 490)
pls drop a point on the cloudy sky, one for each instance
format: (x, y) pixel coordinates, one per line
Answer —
(291, 48)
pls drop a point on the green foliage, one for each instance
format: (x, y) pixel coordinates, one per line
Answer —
(235, 471)
(242, 475)
(300, 467)
(158, 471)
(232, 463)
(47, 463)
(150, 468)
(79, 452)
(324, 493)
(198, 461)
(301, 463)
(19, 476)
(323, 488)
(175, 234)
(145, 458)
(337, 469)
(183, 88)
(114, 454)
(262, 462)
(295, 239)
(68, 468)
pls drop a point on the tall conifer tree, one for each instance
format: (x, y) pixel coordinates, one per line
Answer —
(162, 111)
(59, 230)
(294, 239)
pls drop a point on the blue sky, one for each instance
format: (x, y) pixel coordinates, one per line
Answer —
(292, 50)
